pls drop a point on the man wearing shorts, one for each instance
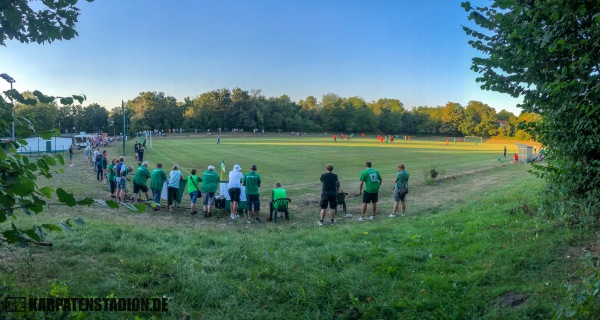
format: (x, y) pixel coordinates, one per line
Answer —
(139, 181)
(331, 184)
(252, 181)
(122, 185)
(235, 189)
(173, 187)
(118, 167)
(399, 195)
(111, 175)
(157, 179)
(193, 190)
(372, 180)
(210, 182)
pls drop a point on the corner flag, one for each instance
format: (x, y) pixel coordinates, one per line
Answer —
(222, 168)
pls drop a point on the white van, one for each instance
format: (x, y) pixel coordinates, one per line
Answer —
(81, 140)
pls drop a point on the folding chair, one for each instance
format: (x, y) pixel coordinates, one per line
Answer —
(280, 205)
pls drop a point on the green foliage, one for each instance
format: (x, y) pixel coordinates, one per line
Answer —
(432, 172)
(547, 52)
(94, 118)
(583, 293)
(20, 191)
(572, 211)
(54, 20)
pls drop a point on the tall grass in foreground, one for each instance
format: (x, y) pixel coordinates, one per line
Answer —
(466, 262)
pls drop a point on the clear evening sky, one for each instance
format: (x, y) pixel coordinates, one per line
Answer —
(414, 51)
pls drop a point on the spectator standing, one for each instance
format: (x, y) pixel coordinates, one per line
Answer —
(193, 190)
(157, 179)
(400, 190)
(110, 176)
(71, 154)
(105, 164)
(252, 182)
(330, 186)
(95, 160)
(372, 181)
(141, 153)
(210, 182)
(235, 189)
(140, 181)
(99, 164)
(173, 187)
(136, 148)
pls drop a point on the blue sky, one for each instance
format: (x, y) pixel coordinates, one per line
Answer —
(414, 51)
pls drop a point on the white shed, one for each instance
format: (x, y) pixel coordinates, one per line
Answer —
(525, 153)
(39, 145)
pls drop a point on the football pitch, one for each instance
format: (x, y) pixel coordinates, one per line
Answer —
(298, 162)
(466, 244)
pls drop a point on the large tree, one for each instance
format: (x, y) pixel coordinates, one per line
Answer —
(548, 53)
(94, 118)
(452, 115)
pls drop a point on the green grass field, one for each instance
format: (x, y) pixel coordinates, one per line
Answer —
(469, 246)
(298, 162)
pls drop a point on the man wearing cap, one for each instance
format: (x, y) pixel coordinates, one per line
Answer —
(210, 181)
(251, 181)
(235, 189)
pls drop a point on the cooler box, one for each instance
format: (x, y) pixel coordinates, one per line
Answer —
(223, 186)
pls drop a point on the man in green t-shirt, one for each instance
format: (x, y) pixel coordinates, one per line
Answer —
(210, 182)
(400, 190)
(277, 193)
(372, 180)
(251, 181)
(110, 176)
(193, 190)
(157, 179)
(139, 181)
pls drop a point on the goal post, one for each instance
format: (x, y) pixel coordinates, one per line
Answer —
(473, 139)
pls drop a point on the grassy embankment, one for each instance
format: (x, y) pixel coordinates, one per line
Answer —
(468, 247)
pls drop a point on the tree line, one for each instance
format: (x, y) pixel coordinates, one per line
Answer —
(248, 110)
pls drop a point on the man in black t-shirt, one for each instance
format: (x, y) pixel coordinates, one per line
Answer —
(140, 154)
(328, 194)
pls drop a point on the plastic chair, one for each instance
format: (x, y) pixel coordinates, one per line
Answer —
(281, 205)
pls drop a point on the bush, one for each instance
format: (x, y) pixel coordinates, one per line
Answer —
(432, 172)
(582, 299)
(573, 210)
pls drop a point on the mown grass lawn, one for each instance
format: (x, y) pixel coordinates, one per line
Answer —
(468, 247)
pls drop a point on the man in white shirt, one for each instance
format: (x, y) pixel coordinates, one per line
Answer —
(235, 189)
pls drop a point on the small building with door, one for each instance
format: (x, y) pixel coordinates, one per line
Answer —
(38, 145)
(525, 153)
